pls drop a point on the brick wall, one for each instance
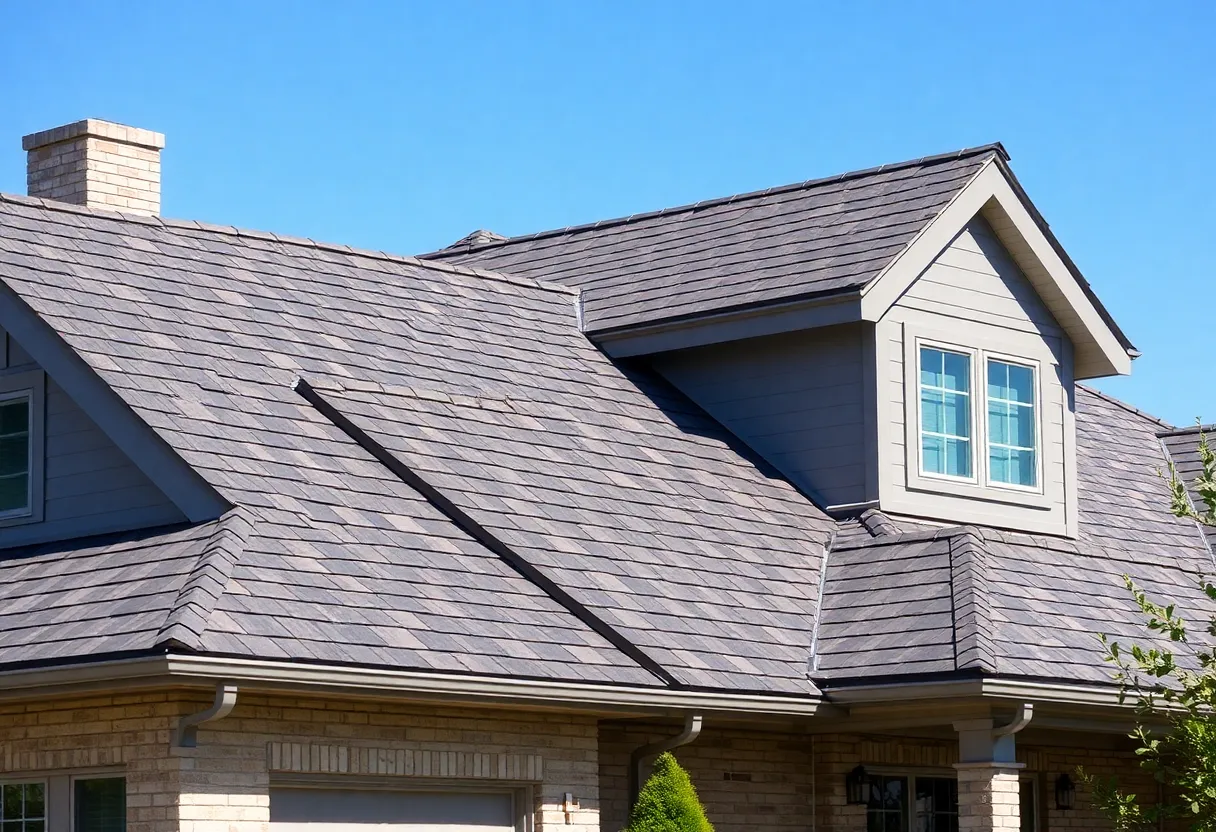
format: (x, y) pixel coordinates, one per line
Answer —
(223, 784)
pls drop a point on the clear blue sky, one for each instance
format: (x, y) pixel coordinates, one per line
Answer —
(402, 126)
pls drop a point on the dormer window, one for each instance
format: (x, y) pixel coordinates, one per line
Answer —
(975, 421)
(15, 454)
(1012, 437)
(945, 413)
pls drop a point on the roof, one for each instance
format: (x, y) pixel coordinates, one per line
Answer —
(602, 477)
(824, 236)
(903, 599)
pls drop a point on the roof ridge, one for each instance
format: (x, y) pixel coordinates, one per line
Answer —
(993, 147)
(1125, 406)
(187, 619)
(285, 239)
(970, 607)
(1192, 430)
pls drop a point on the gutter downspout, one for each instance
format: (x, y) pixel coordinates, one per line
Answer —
(692, 729)
(186, 733)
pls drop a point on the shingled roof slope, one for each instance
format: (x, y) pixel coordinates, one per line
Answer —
(1014, 604)
(203, 330)
(818, 237)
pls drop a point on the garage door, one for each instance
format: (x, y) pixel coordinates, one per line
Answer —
(331, 810)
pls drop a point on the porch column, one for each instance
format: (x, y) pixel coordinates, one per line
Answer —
(988, 797)
(988, 771)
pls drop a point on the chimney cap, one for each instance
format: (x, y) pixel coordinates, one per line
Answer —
(95, 128)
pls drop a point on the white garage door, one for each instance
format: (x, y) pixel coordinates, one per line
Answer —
(331, 810)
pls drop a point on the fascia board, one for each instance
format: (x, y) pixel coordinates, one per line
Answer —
(1011, 689)
(990, 187)
(204, 671)
(142, 445)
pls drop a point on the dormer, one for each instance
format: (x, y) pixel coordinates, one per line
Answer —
(906, 337)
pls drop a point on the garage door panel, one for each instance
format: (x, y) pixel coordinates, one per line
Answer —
(330, 810)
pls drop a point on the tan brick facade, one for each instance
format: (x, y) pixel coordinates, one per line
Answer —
(751, 780)
(96, 163)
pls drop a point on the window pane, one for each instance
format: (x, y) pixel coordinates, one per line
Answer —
(34, 826)
(998, 464)
(998, 380)
(957, 414)
(933, 454)
(14, 493)
(958, 458)
(11, 805)
(957, 373)
(101, 805)
(998, 427)
(1022, 468)
(35, 803)
(932, 411)
(930, 367)
(14, 454)
(14, 416)
(1021, 384)
(1021, 426)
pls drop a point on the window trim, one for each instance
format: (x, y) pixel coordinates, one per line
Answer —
(1035, 368)
(979, 487)
(972, 355)
(31, 383)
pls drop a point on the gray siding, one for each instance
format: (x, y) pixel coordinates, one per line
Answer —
(797, 399)
(91, 486)
(974, 295)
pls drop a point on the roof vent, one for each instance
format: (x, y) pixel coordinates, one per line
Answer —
(480, 237)
(96, 163)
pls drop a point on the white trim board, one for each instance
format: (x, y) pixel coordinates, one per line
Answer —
(193, 495)
(1099, 351)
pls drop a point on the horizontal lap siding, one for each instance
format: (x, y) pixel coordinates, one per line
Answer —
(797, 399)
(974, 286)
(91, 485)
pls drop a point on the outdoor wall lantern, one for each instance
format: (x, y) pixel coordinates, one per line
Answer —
(1066, 792)
(856, 786)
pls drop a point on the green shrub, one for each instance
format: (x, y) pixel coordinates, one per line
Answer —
(668, 802)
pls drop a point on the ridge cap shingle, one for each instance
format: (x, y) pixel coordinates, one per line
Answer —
(970, 604)
(455, 249)
(187, 619)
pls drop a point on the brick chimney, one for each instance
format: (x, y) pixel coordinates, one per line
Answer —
(96, 163)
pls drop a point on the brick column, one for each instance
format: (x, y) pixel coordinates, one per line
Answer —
(988, 797)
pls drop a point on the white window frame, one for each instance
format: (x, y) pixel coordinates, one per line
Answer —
(31, 384)
(979, 486)
(1036, 369)
(972, 355)
(60, 791)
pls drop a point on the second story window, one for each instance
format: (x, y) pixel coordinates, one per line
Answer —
(15, 456)
(1012, 456)
(945, 413)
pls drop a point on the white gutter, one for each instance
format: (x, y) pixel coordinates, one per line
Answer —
(197, 671)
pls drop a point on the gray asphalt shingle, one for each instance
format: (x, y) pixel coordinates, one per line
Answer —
(823, 236)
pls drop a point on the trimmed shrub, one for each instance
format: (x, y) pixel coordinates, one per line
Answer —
(668, 802)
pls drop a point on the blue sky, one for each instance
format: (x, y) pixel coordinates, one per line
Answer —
(402, 126)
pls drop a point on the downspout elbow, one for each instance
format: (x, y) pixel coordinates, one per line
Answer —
(692, 729)
(186, 733)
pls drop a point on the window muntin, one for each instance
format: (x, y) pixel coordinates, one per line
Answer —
(1012, 434)
(945, 413)
(887, 808)
(23, 807)
(15, 456)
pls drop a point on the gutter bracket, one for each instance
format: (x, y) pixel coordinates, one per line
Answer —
(185, 734)
(692, 729)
